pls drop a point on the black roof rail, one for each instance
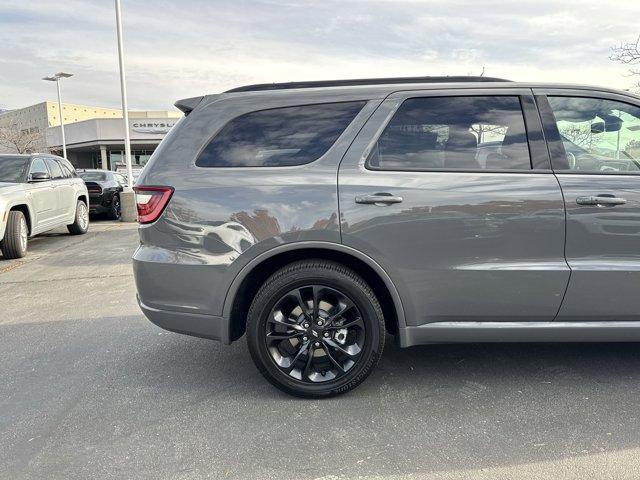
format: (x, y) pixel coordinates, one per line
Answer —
(362, 81)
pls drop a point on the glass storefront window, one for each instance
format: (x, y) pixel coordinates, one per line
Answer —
(140, 157)
(115, 157)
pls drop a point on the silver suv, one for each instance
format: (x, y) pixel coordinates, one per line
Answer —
(315, 217)
(38, 193)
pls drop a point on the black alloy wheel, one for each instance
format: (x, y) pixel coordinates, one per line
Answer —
(315, 329)
(115, 211)
(315, 333)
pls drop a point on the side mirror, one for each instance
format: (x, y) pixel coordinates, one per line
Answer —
(39, 177)
(598, 127)
(613, 123)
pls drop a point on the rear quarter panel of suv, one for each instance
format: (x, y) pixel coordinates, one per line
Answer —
(219, 219)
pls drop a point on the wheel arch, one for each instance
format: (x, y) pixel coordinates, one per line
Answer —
(250, 278)
(26, 211)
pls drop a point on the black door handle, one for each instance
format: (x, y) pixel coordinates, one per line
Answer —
(378, 199)
(605, 200)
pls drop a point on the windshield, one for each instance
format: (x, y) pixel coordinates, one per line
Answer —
(13, 169)
(93, 176)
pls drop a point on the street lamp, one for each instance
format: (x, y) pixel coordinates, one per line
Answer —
(123, 93)
(56, 78)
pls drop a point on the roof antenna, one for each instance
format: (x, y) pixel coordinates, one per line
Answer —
(482, 74)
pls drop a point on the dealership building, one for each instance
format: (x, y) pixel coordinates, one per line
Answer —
(94, 135)
(99, 142)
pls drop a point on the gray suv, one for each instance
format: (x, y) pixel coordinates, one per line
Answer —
(315, 217)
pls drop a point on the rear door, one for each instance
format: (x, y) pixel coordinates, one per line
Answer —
(67, 189)
(63, 189)
(594, 140)
(455, 198)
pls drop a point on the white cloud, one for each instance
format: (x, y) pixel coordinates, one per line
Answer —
(180, 49)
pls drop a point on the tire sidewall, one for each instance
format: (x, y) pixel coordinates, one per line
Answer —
(12, 248)
(77, 223)
(114, 213)
(267, 298)
(22, 220)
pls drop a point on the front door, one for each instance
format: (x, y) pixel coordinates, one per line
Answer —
(595, 144)
(455, 199)
(43, 196)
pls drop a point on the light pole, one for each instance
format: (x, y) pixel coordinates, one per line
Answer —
(56, 78)
(123, 92)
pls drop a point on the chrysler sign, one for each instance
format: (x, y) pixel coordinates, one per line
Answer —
(155, 127)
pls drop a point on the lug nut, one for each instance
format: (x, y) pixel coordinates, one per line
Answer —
(306, 325)
(317, 344)
(320, 322)
(326, 334)
(304, 339)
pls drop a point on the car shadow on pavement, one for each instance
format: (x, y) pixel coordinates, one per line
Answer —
(496, 404)
(489, 404)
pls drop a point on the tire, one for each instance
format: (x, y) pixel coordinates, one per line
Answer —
(81, 223)
(115, 211)
(281, 334)
(16, 236)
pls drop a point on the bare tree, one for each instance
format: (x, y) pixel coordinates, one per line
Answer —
(580, 135)
(628, 54)
(20, 141)
(482, 130)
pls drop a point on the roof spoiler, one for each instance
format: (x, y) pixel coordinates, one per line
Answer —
(188, 104)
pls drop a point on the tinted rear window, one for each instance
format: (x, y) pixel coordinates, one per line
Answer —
(454, 133)
(93, 176)
(280, 136)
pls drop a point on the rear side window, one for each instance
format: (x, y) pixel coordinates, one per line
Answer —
(454, 133)
(67, 168)
(54, 168)
(279, 137)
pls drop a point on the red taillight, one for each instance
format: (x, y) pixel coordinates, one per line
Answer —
(94, 188)
(151, 201)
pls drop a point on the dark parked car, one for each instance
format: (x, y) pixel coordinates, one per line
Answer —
(314, 217)
(104, 188)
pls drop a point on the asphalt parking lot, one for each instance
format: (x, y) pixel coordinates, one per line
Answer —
(90, 389)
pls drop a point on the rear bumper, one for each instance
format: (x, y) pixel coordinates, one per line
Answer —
(99, 203)
(98, 209)
(194, 324)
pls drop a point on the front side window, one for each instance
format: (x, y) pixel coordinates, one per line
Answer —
(598, 135)
(454, 133)
(38, 166)
(279, 137)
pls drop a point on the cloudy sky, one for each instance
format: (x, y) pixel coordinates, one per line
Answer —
(177, 49)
